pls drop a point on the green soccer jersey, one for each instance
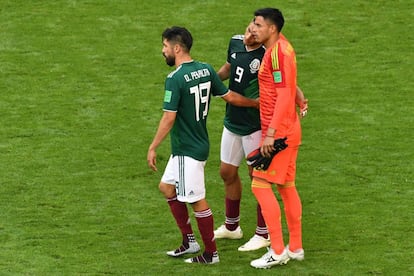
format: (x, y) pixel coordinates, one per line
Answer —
(188, 91)
(243, 80)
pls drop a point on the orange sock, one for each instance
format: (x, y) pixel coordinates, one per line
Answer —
(293, 212)
(271, 213)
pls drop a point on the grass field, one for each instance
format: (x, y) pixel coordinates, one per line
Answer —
(81, 95)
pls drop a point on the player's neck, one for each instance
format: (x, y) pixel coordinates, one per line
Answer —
(271, 41)
(253, 47)
(182, 59)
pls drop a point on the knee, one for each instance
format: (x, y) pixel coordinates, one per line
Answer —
(229, 175)
(167, 190)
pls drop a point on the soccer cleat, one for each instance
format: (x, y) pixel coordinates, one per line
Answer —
(223, 233)
(193, 247)
(298, 255)
(204, 259)
(256, 242)
(270, 259)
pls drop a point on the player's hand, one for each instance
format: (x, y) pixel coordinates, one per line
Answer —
(260, 162)
(152, 159)
(304, 108)
(267, 147)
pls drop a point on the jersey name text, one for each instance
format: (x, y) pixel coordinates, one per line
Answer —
(196, 75)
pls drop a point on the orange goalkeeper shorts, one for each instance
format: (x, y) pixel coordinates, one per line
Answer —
(282, 170)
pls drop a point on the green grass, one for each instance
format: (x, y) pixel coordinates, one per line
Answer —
(81, 94)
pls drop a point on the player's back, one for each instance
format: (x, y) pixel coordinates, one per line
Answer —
(194, 82)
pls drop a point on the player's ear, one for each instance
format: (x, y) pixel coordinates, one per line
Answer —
(177, 47)
(273, 28)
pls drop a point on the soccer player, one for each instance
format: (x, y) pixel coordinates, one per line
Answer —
(279, 119)
(241, 134)
(188, 91)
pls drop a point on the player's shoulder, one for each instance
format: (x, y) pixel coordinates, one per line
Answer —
(287, 48)
(200, 67)
(173, 73)
(285, 45)
(236, 40)
(203, 65)
(236, 44)
(282, 46)
(237, 37)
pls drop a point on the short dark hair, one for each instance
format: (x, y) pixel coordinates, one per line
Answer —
(273, 15)
(179, 35)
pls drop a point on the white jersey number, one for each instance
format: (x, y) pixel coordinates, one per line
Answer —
(239, 73)
(201, 95)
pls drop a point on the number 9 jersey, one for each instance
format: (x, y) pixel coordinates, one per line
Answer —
(244, 67)
(188, 91)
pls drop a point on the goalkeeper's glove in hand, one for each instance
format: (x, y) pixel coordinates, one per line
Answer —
(260, 162)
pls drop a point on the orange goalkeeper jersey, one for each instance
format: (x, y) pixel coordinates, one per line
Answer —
(277, 86)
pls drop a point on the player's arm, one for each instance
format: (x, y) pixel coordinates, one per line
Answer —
(283, 84)
(164, 127)
(224, 71)
(301, 102)
(236, 99)
(279, 112)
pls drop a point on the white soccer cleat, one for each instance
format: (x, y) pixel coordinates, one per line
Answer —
(201, 259)
(193, 247)
(298, 255)
(223, 233)
(256, 242)
(270, 259)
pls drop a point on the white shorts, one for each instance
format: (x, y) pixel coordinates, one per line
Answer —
(187, 174)
(235, 147)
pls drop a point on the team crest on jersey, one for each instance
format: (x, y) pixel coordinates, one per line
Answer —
(254, 65)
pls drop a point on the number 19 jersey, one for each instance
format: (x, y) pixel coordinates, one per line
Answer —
(188, 91)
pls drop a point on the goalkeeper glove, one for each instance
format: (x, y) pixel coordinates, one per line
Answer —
(260, 162)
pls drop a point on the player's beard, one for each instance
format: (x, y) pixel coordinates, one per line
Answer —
(170, 60)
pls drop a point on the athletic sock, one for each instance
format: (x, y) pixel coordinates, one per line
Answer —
(271, 213)
(261, 229)
(205, 224)
(232, 214)
(180, 214)
(293, 212)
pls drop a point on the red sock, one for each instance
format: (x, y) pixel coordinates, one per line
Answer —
(293, 212)
(261, 229)
(232, 214)
(180, 214)
(206, 227)
(271, 213)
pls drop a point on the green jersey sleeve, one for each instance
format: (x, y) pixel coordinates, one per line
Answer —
(217, 86)
(171, 95)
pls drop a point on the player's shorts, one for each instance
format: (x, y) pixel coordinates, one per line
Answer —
(187, 174)
(234, 147)
(282, 170)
